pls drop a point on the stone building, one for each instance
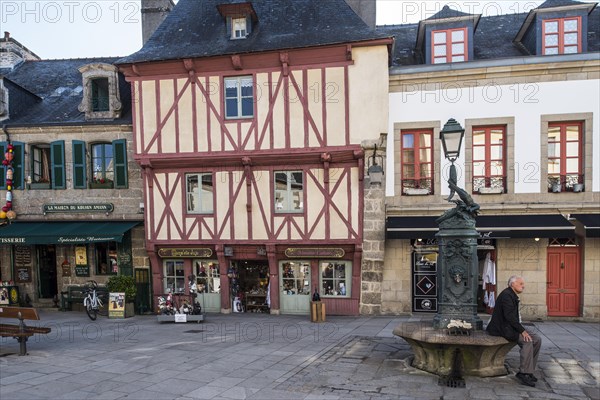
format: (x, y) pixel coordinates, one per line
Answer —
(73, 182)
(525, 89)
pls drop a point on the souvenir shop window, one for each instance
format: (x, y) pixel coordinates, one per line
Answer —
(208, 279)
(106, 258)
(335, 278)
(295, 277)
(174, 277)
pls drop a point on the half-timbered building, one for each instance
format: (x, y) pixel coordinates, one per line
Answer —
(250, 121)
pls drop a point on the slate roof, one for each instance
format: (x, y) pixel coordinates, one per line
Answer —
(447, 12)
(493, 37)
(196, 29)
(58, 84)
(560, 3)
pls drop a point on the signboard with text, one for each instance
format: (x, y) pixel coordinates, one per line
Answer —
(81, 208)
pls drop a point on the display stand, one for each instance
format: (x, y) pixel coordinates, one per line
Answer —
(317, 311)
(180, 318)
(256, 303)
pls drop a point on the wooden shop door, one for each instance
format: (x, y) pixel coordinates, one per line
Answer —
(564, 281)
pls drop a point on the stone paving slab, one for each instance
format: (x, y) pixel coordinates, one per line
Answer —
(259, 356)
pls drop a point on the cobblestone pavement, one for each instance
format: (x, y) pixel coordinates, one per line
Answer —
(258, 356)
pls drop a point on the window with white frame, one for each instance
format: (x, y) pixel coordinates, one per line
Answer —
(239, 97)
(335, 278)
(562, 36)
(449, 45)
(239, 28)
(200, 193)
(289, 191)
(174, 277)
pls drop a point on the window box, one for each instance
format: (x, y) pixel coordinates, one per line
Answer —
(416, 192)
(578, 187)
(101, 185)
(491, 190)
(39, 185)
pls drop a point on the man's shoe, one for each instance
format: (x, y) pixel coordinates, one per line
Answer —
(525, 379)
(533, 378)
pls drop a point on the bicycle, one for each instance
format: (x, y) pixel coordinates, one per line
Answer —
(92, 303)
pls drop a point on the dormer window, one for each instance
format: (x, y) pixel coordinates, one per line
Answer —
(238, 28)
(562, 36)
(100, 94)
(101, 98)
(449, 45)
(239, 18)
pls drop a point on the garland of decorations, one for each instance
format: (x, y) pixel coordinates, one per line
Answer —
(7, 211)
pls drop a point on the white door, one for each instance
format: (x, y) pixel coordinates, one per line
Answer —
(295, 292)
(208, 284)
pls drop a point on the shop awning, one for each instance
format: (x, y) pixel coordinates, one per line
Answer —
(76, 232)
(590, 222)
(490, 226)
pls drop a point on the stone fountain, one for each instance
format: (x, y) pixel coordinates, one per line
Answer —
(456, 344)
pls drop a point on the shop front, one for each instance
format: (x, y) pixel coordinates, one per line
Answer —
(43, 258)
(260, 278)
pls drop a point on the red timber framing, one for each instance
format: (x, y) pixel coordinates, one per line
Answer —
(180, 128)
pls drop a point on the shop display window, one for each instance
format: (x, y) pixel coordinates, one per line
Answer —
(174, 277)
(208, 279)
(296, 278)
(335, 279)
(106, 258)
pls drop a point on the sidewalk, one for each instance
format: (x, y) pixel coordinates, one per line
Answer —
(259, 356)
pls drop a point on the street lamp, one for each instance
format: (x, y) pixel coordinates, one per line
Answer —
(452, 136)
(375, 171)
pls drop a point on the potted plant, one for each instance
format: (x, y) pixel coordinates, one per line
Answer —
(124, 284)
(101, 183)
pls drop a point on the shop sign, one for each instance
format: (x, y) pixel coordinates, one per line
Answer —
(81, 208)
(201, 252)
(82, 270)
(116, 305)
(23, 274)
(314, 252)
(80, 255)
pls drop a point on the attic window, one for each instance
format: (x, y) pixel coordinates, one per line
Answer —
(562, 36)
(101, 99)
(100, 94)
(238, 28)
(449, 46)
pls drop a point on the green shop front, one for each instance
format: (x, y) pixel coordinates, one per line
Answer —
(44, 258)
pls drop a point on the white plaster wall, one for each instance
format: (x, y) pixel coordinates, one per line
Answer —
(526, 102)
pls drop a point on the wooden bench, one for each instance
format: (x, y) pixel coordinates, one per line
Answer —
(76, 294)
(20, 331)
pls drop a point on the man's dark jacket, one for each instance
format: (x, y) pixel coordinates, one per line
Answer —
(505, 318)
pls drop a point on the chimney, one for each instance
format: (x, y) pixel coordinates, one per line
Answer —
(6, 35)
(154, 13)
(366, 9)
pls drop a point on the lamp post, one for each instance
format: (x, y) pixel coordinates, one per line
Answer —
(457, 238)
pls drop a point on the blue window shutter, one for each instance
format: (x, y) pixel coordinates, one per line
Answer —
(18, 163)
(229, 28)
(2, 167)
(120, 160)
(79, 165)
(57, 157)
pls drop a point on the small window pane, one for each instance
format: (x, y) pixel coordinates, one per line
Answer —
(571, 38)
(425, 170)
(439, 60)
(571, 50)
(554, 134)
(439, 50)
(479, 168)
(408, 156)
(247, 107)
(496, 152)
(408, 171)
(497, 168)
(551, 26)
(458, 58)
(408, 141)
(572, 132)
(478, 137)
(231, 92)
(551, 51)
(231, 108)
(425, 155)
(496, 137)
(425, 139)
(571, 25)
(479, 153)
(553, 150)
(572, 149)
(551, 40)
(458, 48)
(458, 36)
(572, 165)
(554, 166)
(439, 37)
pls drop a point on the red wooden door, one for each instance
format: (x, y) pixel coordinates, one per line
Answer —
(564, 282)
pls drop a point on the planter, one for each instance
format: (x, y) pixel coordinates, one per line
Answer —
(556, 188)
(39, 185)
(578, 187)
(416, 192)
(98, 185)
(129, 309)
(486, 190)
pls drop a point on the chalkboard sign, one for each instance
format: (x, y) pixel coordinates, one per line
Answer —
(23, 274)
(82, 270)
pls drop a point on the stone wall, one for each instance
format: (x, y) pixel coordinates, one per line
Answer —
(396, 286)
(591, 285)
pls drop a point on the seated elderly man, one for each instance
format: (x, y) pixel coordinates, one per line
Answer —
(506, 322)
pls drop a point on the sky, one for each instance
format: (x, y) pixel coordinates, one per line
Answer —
(100, 28)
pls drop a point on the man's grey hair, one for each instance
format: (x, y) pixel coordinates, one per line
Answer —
(513, 279)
